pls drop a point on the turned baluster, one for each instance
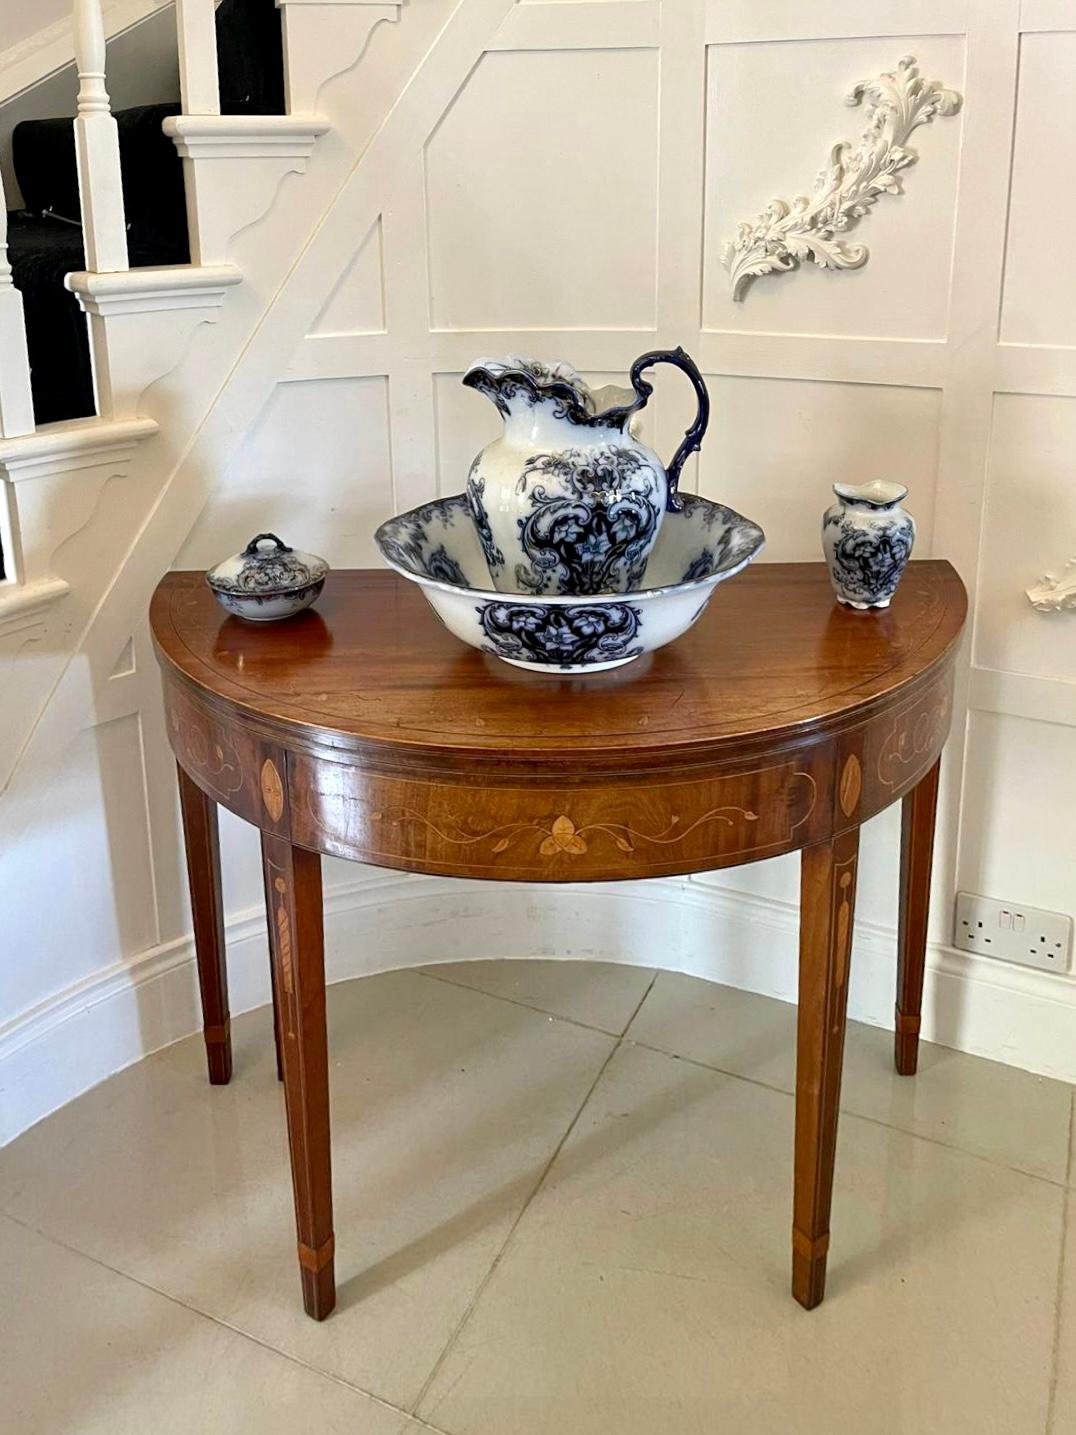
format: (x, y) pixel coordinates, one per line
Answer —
(196, 32)
(16, 406)
(97, 148)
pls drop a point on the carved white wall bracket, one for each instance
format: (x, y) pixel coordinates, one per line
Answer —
(897, 102)
(1055, 595)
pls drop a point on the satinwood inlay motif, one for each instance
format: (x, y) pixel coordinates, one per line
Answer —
(272, 789)
(851, 784)
(283, 937)
(844, 923)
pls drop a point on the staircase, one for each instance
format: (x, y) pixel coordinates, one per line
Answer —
(124, 254)
(185, 355)
(45, 237)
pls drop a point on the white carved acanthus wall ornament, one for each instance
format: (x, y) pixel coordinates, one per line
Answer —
(897, 102)
(1055, 595)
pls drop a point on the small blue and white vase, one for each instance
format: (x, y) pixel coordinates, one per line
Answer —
(867, 539)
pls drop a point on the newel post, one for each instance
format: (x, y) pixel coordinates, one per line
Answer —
(196, 33)
(97, 148)
(16, 405)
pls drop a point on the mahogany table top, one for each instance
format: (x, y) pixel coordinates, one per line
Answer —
(371, 665)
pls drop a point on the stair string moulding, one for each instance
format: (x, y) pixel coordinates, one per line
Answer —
(812, 227)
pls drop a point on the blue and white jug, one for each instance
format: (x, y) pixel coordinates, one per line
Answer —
(568, 500)
(867, 539)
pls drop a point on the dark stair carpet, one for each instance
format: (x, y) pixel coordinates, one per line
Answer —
(45, 238)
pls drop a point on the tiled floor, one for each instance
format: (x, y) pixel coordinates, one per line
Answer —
(562, 1205)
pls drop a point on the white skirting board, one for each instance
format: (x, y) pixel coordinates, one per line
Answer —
(384, 921)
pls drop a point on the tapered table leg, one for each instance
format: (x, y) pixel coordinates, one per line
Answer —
(827, 911)
(916, 854)
(293, 885)
(207, 908)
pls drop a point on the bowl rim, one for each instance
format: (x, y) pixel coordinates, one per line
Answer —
(561, 600)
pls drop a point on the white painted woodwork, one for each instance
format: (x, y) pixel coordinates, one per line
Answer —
(52, 479)
(23, 605)
(196, 31)
(224, 196)
(140, 322)
(316, 29)
(455, 210)
(1039, 299)
(16, 404)
(97, 147)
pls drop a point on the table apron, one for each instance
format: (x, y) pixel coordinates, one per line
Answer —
(555, 830)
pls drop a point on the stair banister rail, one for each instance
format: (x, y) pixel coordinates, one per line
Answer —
(97, 148)
(196, 32)
(16, 404)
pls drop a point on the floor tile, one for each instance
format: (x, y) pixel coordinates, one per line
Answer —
(1064, 1411)
(446, 1106)
(646, 1286)
(997, 1111)
(86, 1352)
(601, 994)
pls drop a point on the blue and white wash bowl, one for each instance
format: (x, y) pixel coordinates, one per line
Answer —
(439, 547)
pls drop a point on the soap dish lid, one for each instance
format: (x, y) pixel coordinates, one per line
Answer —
(271, 569)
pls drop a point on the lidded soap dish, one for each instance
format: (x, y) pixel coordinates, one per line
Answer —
(268, 580)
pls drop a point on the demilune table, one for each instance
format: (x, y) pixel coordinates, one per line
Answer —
(362, 728)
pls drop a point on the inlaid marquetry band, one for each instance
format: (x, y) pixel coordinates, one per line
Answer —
(907, 1025)
(844, 891)
(917, 734)
(561, 835)
(317, 1258)
(219, 1033)
(810, 1250)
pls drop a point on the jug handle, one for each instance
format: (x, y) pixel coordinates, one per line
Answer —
(695, 434)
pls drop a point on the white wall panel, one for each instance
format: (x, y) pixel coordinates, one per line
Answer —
(1030, 529)
(1039, 305)
(773, 110)
(541, 193)
(357, 302)
(776, 447)
(1020, 812)
(465, 423)
(84, 872)
(317, 470)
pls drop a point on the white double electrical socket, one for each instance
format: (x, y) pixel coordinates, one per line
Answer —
(1012, 932)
